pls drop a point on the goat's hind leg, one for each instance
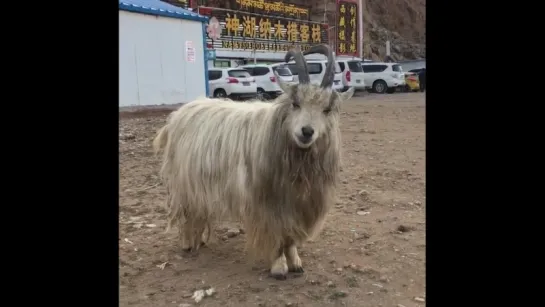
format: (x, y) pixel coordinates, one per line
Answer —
(292, 256)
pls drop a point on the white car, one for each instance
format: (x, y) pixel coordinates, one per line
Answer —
(235, 83)
(352, 73)
(383, 77)
(316, 71)
(267, 85)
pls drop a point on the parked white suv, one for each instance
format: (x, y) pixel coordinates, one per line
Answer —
(267, 85)
(316, 71)
(235, 83)
(352, 73)
(383, 77)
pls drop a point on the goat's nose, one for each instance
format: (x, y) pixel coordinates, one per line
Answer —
(308, 131)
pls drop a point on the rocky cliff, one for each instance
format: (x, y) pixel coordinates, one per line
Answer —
(403, 22)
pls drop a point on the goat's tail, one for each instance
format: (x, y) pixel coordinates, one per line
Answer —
(160, 140)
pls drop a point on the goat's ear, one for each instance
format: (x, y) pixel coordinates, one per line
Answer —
(283, 85)
(347, 95)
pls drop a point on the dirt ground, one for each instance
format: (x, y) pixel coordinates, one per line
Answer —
(371, 251)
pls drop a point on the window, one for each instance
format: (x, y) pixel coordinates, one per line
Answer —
(374, 68)
(397, 68)
(337, 68)
(341, 64)
(282, 71)
(250, 70)
(314, 68)
(354, 66)
(261, 71)
(221, 63)
(239, 73)
(293, 69)
(214, 75)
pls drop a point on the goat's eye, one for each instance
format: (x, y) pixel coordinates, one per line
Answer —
(327, 111)
(295, 105)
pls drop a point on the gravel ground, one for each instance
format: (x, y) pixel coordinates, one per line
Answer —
(371, 251)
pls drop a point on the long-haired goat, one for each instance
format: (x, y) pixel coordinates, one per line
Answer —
(274, 166)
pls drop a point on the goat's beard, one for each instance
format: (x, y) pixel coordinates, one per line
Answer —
(296, 145)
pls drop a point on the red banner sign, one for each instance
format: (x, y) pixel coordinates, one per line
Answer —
(347, 27)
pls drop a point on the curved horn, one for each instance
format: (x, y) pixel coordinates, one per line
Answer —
(329, 75)
(300, 63)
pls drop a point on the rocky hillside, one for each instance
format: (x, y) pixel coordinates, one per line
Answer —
(403, 22)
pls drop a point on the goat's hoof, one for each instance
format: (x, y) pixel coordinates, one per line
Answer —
(278, 276)
(297, 269)
(194, 250)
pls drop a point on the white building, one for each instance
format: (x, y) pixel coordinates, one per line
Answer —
(162, 54)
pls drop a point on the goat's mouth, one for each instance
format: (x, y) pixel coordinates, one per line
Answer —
(303, 142)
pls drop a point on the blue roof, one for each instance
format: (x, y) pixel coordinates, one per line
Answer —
(156, 7)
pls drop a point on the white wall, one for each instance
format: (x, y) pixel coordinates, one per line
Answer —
(152, 61)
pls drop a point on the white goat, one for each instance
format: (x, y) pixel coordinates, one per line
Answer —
(274, 166)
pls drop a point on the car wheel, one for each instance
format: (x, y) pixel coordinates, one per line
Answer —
(262, 95)
(380, 87)
(219, 93)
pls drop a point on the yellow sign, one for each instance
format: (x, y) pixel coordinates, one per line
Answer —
(248, 26)
(278, 28)
(341, 35)
(303, 30)
(260, 46)
(251, 31)
(292, 31)
(342, 47)
(252, 28)
(278, 7)
(316, 34)
(265, 28)
(231, 24)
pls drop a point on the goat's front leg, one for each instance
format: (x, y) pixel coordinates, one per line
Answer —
(279, 268)
(294, 262)
(186, 234)
(192, 236)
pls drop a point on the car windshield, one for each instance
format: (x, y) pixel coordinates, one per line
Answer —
(282, 71)
(294, 71)
(397, 68)
(239, 73)
(355, 66)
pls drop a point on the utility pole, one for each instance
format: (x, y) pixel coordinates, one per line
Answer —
(325, 11)
(360, 27)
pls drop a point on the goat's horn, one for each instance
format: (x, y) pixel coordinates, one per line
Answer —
(300, 63)
(329, 75)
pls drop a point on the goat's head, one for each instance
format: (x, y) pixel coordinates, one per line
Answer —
(312, 110)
